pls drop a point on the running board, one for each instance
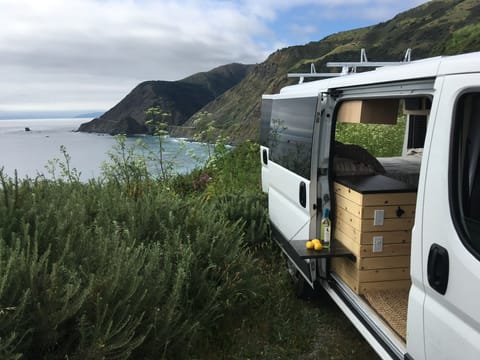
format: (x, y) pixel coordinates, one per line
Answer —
(378, 334)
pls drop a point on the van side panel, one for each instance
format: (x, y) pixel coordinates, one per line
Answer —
(451, 271)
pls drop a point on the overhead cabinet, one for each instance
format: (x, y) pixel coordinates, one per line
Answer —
(373, 111)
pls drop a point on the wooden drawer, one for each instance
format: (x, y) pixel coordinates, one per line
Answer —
(376, 228)
(361, 281)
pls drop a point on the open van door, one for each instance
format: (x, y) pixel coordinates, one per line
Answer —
(287, 173)
(444, 311)
(266, 114)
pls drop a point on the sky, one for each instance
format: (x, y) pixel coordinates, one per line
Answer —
(86, 55)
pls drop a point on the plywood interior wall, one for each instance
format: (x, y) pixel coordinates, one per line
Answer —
(371, 111)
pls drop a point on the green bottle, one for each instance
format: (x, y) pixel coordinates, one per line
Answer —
(325, 229)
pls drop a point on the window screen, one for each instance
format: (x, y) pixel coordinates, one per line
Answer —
(465, 174)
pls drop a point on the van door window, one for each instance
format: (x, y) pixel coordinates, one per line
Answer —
(266, 115)
(465, 171)
(291, 130)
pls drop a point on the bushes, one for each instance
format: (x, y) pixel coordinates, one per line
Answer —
(116, 269)
(379, 140)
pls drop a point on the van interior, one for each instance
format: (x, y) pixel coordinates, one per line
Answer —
(376, 159)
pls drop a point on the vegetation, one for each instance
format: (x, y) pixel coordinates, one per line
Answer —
(379, 140)
(466, 39)
(130, 266)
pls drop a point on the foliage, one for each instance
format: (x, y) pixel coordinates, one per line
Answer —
(236, 170)
(126, 168)
(379, 140)
(67, 173)
(129, 266)
(284, 327)
(464, 40)
(157, 121)
(92, 270)
(207, 132)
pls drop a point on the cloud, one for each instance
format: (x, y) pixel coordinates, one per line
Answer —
(64, 44)
(90, 53)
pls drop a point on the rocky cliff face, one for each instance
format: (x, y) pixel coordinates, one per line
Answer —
(181, 98)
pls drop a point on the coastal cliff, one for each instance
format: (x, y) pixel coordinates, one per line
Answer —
(180, 98)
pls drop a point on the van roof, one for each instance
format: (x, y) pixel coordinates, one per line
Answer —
(419, 69)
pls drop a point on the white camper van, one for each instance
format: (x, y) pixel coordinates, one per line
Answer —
(404, 259)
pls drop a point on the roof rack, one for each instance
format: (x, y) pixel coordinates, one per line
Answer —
(349, 67)
(312, 74)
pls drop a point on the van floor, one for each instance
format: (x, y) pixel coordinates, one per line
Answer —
(391, 305)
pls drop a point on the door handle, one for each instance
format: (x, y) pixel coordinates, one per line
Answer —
(302, 194)
(265, 156)
(438, 268)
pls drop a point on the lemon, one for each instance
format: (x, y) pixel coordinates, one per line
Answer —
(315, 241)
(318, 246)
(310, 245)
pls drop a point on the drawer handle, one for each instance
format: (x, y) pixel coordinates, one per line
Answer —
(400, 212)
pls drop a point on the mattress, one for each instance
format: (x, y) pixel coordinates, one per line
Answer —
(403, 168)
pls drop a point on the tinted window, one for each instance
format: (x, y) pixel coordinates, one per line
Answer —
(290, 136)
(266, 112)
(465, 170)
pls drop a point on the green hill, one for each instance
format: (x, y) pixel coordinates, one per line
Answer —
(442, 27)
(181, 98)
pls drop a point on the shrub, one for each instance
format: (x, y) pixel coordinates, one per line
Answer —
(379, 140)
(89, 271)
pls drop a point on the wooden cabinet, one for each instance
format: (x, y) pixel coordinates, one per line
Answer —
(373, 218)
(372, 111)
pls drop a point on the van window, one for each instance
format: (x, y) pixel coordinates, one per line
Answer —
(290, 136)
(465, 171)
(266, 115)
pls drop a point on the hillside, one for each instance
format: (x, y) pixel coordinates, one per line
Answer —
(181, 98)
(442, 27)
(232, 93)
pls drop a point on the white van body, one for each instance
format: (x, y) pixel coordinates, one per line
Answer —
(443, 319)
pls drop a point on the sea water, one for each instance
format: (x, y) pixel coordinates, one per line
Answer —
(27, 146)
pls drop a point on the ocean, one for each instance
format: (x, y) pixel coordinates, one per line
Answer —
(29, 152)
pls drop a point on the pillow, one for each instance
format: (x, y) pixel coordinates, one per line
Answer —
(351, 159)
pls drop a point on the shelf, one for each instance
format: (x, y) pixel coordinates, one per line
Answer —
(336, 250)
